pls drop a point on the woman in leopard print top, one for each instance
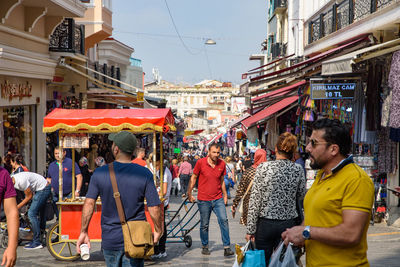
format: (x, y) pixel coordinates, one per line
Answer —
(277, 186)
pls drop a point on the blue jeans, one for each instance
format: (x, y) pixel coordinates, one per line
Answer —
(227, 186)
(117, 258)
(218, 207)
(36, 213)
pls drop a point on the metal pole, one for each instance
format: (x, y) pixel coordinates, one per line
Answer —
(154, 157)
(73, 174)
(60, 172)
(161, 167)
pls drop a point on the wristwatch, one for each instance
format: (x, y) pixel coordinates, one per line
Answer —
(77, 191)
(306, 233)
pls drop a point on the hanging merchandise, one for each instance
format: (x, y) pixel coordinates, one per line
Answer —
(394, 83)
(387, 152)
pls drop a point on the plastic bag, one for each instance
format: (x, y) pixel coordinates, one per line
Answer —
(240, 251)
(278, 259)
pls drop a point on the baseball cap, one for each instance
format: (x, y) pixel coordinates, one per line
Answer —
(125, 141)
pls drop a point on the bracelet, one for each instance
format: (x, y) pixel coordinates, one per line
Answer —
(77, 191)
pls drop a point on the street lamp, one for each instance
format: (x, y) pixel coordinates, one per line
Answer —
(208, 42)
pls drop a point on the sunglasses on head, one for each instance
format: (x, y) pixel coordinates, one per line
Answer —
(314, 143)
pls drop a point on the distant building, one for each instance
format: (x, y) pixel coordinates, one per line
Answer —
(206, 105)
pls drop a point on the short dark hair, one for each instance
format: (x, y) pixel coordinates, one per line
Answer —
(335, 133)
(216, 145)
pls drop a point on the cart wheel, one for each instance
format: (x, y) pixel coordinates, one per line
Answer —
(188, 241)
(59, 249)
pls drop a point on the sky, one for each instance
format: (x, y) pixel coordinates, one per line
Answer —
(237, 26)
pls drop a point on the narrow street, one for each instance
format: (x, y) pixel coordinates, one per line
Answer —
(383, 248)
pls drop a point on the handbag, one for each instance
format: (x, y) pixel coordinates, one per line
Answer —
(254, 257)
(240, 209)
(138, 237)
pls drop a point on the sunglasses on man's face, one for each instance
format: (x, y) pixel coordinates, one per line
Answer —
(315, 143)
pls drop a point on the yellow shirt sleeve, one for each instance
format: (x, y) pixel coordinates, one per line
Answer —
(359, 194)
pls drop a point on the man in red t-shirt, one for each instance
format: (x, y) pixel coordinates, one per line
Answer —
(7, 198)
(141, 152)
(211, 196)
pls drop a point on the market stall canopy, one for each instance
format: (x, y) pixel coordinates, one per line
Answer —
(101, 120)
(343, 64)
(266, 113)
(193, 132)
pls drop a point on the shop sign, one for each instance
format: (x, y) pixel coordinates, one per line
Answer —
(177, 150)
(76, 140)
(333, 90)
(13, 90)
(140, 96)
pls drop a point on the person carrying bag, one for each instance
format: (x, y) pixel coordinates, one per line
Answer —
(138, 237)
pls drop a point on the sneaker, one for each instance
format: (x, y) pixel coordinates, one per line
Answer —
(205, 251)
(33, 246)
(183, 195)
(163, 255)
(155, 256)
(228, 252)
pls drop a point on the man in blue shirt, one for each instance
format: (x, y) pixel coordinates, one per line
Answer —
(135, 184)
(53, 172)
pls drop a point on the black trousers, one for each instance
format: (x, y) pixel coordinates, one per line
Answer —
(185, 178)
(268, 234)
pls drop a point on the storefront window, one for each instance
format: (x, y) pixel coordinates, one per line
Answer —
(18, 132)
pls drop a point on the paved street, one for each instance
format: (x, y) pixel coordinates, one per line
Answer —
(383, 241)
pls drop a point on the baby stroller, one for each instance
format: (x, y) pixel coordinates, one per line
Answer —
(25, 232)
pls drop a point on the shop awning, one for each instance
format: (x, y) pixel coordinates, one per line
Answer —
(100, 120)
(279, 91)
(312, 59)
(193, 132)
(343, 64)
(238, 121)
(266, 113)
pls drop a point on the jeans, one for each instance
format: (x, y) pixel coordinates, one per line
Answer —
(227, 186)
(36, 213)
(55, 200)
(268, 234)
(184, 182)
(218, 207)
(117, 258)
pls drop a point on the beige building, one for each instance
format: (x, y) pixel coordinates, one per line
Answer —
(203, 106)
(26, 68)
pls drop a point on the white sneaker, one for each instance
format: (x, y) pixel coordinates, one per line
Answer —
(155, 256)
(163, 255)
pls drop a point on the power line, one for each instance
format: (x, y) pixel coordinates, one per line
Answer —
(177, 32)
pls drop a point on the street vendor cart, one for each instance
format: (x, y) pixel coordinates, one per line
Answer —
(74, 127)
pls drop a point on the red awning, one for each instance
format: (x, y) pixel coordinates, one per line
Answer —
(279, 92)
(269, 111)
(312, 59)
(98, 120)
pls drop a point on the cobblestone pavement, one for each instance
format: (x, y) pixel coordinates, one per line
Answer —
(383, 250)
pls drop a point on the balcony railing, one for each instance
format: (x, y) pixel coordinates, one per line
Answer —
(279, 5)
(68, 37)
(338, 16)
(278, 49)
(111, 71)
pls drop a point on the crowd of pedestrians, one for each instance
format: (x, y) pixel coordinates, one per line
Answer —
(269, 195)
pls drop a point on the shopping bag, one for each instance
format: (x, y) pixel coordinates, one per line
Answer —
(240, 251)
(283, 257)
(254, 258)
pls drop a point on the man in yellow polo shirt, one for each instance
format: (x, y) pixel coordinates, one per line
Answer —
(338, 205)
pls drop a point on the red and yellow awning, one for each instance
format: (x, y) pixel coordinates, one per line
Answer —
(114, 120)
(192, 132)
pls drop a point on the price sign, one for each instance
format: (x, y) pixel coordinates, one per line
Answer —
(76, 141)
(177, 150)
(333, 90)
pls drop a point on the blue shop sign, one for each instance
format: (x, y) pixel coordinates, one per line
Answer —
(333, 90)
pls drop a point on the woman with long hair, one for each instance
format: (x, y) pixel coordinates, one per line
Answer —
(244, 185)
(277, 187)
